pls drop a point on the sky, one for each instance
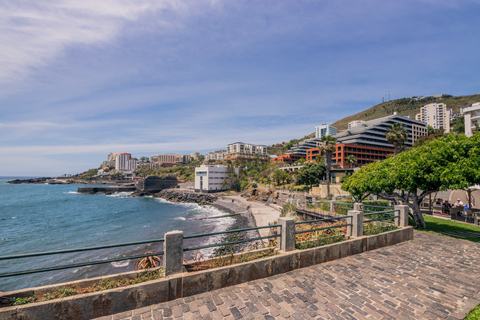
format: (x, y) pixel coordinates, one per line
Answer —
(81, 79)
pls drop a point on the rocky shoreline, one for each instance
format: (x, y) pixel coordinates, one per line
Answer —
(240, 212)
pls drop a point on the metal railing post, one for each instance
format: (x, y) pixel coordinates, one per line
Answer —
(357, 223)
(402, 221)
(287, 242)
(173, 248)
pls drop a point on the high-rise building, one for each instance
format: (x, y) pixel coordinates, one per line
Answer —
(124, 163)
(325, 130)
(471, 118)
(435, 115)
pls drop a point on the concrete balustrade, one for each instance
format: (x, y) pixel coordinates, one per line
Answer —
(173, 248)
(357, 223)
(401, 221)
(333, 206)
(287, 242)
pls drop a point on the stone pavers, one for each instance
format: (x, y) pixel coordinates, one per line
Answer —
(431, 277)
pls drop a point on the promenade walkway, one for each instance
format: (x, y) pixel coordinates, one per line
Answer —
(431, 277)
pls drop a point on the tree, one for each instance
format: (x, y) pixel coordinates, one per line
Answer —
(458, 125)
(328, 148)
(311, 174)
(352, 159)
(280, 176)
(450, 162)
(145, 159)
(397, 135)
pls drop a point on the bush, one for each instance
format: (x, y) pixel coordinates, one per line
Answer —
(254, 185)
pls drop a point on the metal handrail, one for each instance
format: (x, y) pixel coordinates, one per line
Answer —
(324, 228)
(47, 253)
(374, 206)
(77, 265)
(322, 220)
(229, 243)
(230, 231)
(379, 219)
(371, 213)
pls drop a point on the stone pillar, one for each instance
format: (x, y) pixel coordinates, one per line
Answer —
(358, 206)
(357, 223)
(333, 206)
(173, 248)
(315, 203)
(402, 221)
(287, 242)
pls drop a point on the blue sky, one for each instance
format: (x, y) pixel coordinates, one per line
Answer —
(81, 79)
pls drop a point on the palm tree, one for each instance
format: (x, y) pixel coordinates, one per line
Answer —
(397, 135)
(328, 148)
(352, 159)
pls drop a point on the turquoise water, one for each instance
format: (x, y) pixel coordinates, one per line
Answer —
(38, 218)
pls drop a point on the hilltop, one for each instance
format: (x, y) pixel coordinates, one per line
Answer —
(406, 106)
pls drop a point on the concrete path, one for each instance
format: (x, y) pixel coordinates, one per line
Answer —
(431, 277)
(263, 214)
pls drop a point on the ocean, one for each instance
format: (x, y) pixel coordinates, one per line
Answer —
(39, 218)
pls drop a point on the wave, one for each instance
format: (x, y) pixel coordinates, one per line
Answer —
(71, 192)
(119, 194)
(121, 264)
(180, 218)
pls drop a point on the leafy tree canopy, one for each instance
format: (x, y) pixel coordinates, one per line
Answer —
(450, 162)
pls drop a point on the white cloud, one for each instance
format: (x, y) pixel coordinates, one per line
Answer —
(34, 33)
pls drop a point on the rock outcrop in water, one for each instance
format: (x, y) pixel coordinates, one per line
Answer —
(33, 180)
(178, 195)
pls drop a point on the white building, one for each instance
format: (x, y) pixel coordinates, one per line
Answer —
(246, 151)
(211, 178)
(195, 155)
(354, 123)
(472, 117)
(216, 155)
(435, 115)
(325, 130)
(124, 163)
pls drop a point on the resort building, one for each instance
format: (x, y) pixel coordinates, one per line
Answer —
(364, 154)
(325, 130)
(218, 155)
(355, 123)
(472, 118)
(435, 115)
(246, 151)
(170, 158)
(372, 133)
(298, 151)
(212, 178)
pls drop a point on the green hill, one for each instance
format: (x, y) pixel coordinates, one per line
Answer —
(406, 106)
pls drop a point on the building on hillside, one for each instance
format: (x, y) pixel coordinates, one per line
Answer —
(124, 163)
(195, 155)
(435, 115)
(170, 158)
(246, 151)
(218, 155)
(112, 156)
(108, 163)
(212, 178)
(355, 123)
(372, 133)
(471, 118)
(325, 130)
(364, 154)
(298, 151)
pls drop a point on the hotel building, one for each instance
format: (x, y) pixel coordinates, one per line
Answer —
(471, 118)
(435, 115)
(246, 151)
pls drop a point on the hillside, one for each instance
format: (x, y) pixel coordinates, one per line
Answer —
(406, 106)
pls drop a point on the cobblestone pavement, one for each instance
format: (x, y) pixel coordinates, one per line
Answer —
(431, 277)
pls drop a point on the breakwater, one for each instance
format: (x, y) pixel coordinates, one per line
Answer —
(106, 190)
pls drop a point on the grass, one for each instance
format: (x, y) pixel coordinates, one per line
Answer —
(442, 225)
(474, 314)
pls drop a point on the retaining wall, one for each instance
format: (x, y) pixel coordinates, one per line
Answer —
(103, 303)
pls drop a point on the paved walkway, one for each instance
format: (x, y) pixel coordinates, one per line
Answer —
(431, 277)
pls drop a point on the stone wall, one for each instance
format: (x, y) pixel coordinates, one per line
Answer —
(155, 184)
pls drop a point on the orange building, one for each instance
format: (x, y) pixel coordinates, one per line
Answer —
(364, 154)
